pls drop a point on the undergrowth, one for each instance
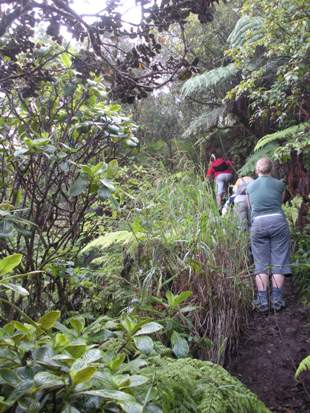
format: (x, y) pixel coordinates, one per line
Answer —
(175, 239)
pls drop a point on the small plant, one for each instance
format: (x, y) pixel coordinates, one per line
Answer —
(304, 365)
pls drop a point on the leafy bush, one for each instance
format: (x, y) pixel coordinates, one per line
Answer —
(181, 243)
(195, 386)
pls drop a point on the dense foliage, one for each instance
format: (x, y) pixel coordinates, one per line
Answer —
(117, 273)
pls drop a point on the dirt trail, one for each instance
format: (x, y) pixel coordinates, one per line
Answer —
(269, 353)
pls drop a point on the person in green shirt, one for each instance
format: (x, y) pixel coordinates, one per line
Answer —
(270, 236)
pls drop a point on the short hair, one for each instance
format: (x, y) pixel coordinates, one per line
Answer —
(241, 184)
(264, 166)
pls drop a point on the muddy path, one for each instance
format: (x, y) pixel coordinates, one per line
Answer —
(269, 353)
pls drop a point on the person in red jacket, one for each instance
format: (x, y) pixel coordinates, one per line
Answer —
(222, 172)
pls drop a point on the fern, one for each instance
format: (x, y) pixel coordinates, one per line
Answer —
(205, 122)
(249, 167)
(284, 135)
(247, 29)
(190, 385)
(96, 248)
(303, 366)
(218, 80)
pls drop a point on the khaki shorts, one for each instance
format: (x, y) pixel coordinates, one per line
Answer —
(222, 182)
(270, 242)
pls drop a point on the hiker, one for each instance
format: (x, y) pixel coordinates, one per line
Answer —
(238, 200)
(221, 171)
(270, 236)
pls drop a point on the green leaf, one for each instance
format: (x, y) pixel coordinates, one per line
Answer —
(61, 340)
(78, 323)
(7, 264)
(20, 390)
(183, 296)
(145, 344)
(90, 356)
(48, 320)
(66, 60)
(83, 375)
(16, 288)
(9, 376)
(179, 345)
(131, 407)
(4, 405)
(36, 143)
(25, 328)
(21, 151)
(114, 395)
(137, 380)
(132, 142)
(78, 187)
(47, 380)
(149, 328)
(29, 404)
(104, 193)
(108, 184)
(188, 308)
(115, 364)
(25, 373)
(76, 350)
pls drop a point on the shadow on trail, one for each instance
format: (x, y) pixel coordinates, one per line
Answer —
(269, 353)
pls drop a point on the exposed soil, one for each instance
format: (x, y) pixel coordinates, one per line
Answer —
(269, 353)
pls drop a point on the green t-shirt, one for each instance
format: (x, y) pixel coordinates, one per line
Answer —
(265, 195)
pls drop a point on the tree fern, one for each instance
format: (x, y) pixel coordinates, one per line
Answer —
(249, 167)
(285, 135)
(205, 122)
(218, 80)
(303, 366)
(247, 29)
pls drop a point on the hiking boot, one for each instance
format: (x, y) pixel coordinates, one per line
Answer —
(277, 301)
(261, 302)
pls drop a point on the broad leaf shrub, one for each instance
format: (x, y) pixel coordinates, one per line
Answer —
(110, 365)
(58, 158)
(177, 241)
(47, 365)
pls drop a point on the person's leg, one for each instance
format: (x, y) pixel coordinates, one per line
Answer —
(262, 281)
(280, 261)
(219, 200)
(261, 301)
(277, 280)
(220, 189)
(260, 244)
(277, 300)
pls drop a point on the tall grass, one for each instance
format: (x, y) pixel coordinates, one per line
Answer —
(187, 245)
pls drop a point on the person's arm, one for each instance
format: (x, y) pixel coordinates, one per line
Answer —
(283, 192)
(210, 173)
(225, 207)
(248, 201)
(230, 201)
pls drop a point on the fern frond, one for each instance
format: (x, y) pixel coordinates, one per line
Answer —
(284, 135)
(249, 167)
(205, 122)
(247, 29)
(303, 366)
(218, 80)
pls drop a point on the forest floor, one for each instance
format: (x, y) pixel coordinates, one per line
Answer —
(269, 353)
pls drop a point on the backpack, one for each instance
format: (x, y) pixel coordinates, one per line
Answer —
(222, 167)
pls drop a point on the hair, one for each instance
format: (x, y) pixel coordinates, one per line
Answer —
(264, 166)
(241, 184)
